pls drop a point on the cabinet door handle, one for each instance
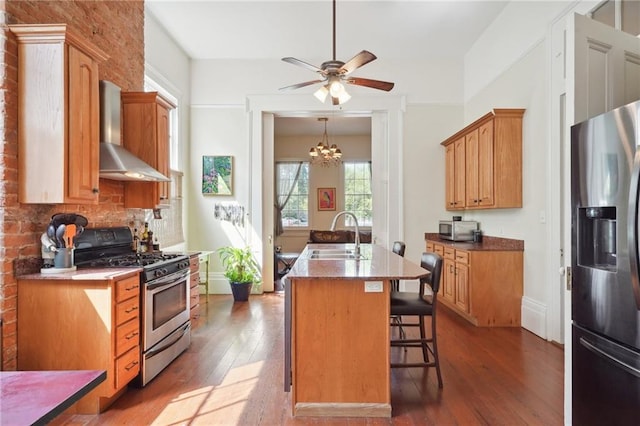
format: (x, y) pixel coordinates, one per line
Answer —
(95, 190)
(131, 365)
(131, 335)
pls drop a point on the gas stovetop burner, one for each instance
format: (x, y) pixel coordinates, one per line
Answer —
(133, 259)
(111, 248)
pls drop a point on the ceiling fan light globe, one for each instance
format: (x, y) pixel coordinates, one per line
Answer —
(344, 97)
(321, 94)
(336, 89)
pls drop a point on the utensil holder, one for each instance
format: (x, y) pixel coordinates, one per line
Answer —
(63, 258)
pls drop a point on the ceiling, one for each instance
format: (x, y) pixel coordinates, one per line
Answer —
(393, 29)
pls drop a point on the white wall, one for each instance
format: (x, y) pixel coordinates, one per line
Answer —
(425, 126)
(518, 29)
(523, 85)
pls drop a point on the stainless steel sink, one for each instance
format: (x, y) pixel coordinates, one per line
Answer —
(333, 254)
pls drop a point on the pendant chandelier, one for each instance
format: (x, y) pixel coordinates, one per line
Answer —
(323, 154)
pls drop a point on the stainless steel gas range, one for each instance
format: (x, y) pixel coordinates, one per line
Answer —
(164, 279)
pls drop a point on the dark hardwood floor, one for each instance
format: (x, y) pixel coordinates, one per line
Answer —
(232, 375)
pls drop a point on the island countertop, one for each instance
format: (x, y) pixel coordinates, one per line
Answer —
(378, 264)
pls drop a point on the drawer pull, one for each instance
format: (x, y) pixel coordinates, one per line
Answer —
(133, 308)
(132, 288)
(131, 335)
(131, 365)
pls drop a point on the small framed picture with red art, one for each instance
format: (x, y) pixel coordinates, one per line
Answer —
(326, 198)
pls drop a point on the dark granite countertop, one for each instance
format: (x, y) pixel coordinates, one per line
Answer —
(488, 243)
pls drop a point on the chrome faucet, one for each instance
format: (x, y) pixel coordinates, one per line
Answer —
(355, 219)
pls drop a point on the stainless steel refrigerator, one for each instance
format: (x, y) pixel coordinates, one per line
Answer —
(605, 294)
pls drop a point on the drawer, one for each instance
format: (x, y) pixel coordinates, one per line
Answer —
(194, 263)
(430, 247)
(195, 299)
(462, 257)
(127, 336)
(195, 312)
(449, 253)
(127, 288)
(194, 280)
(127, 367)
(127, 310)
(438, 248)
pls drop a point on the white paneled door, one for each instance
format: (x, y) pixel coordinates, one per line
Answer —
(595, 68)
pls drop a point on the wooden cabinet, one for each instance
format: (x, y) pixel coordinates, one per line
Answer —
(483, 286)
(461, 273)
(58, 116)
(448, 281)
(455, 178)
(145, 132)
(439, 249)
(194, 284)
(82, 324)
(483, 163)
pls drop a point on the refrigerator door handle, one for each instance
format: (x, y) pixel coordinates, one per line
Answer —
(609, 357)
(632, 236)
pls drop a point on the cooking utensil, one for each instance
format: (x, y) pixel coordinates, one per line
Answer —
(47, 243)
(67, 219)
(60, 230)
(51, 232)
(69, 234)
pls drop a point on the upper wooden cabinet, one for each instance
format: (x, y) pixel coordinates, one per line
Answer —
(484, 163)
(455, 179)
(58, 115)
(145, 131)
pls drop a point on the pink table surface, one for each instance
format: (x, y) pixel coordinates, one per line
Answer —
(36, 397)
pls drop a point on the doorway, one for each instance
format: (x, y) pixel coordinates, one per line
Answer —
(386, 115)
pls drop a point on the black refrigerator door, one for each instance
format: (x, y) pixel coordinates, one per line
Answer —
(606, 381)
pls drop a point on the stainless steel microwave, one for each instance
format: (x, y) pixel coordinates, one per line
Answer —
(457, 230)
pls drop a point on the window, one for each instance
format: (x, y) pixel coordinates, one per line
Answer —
(169, 229)
(357, 192)
(296, 211)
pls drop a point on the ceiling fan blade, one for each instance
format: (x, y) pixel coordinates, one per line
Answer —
(302, 64)
(374, 84)
(357, 61)
(299, 85)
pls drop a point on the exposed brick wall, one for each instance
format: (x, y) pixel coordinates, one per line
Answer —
(117, 28)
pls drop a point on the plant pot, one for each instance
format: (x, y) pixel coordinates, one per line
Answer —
(241, 291)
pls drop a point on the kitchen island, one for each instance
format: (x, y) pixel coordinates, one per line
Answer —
(337, 323)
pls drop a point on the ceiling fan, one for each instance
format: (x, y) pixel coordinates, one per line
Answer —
(335, 72)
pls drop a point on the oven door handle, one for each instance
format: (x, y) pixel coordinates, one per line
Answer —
(186, 328)
(167, 280)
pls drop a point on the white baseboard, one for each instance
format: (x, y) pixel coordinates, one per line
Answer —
(534, 317)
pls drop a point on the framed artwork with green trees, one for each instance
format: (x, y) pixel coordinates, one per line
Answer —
(217, 175)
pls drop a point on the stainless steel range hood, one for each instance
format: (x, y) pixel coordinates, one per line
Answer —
(115, 161)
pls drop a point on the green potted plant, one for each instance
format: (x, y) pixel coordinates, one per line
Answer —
(241, 269)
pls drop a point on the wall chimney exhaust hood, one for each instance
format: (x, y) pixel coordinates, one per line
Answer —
(115, 161)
